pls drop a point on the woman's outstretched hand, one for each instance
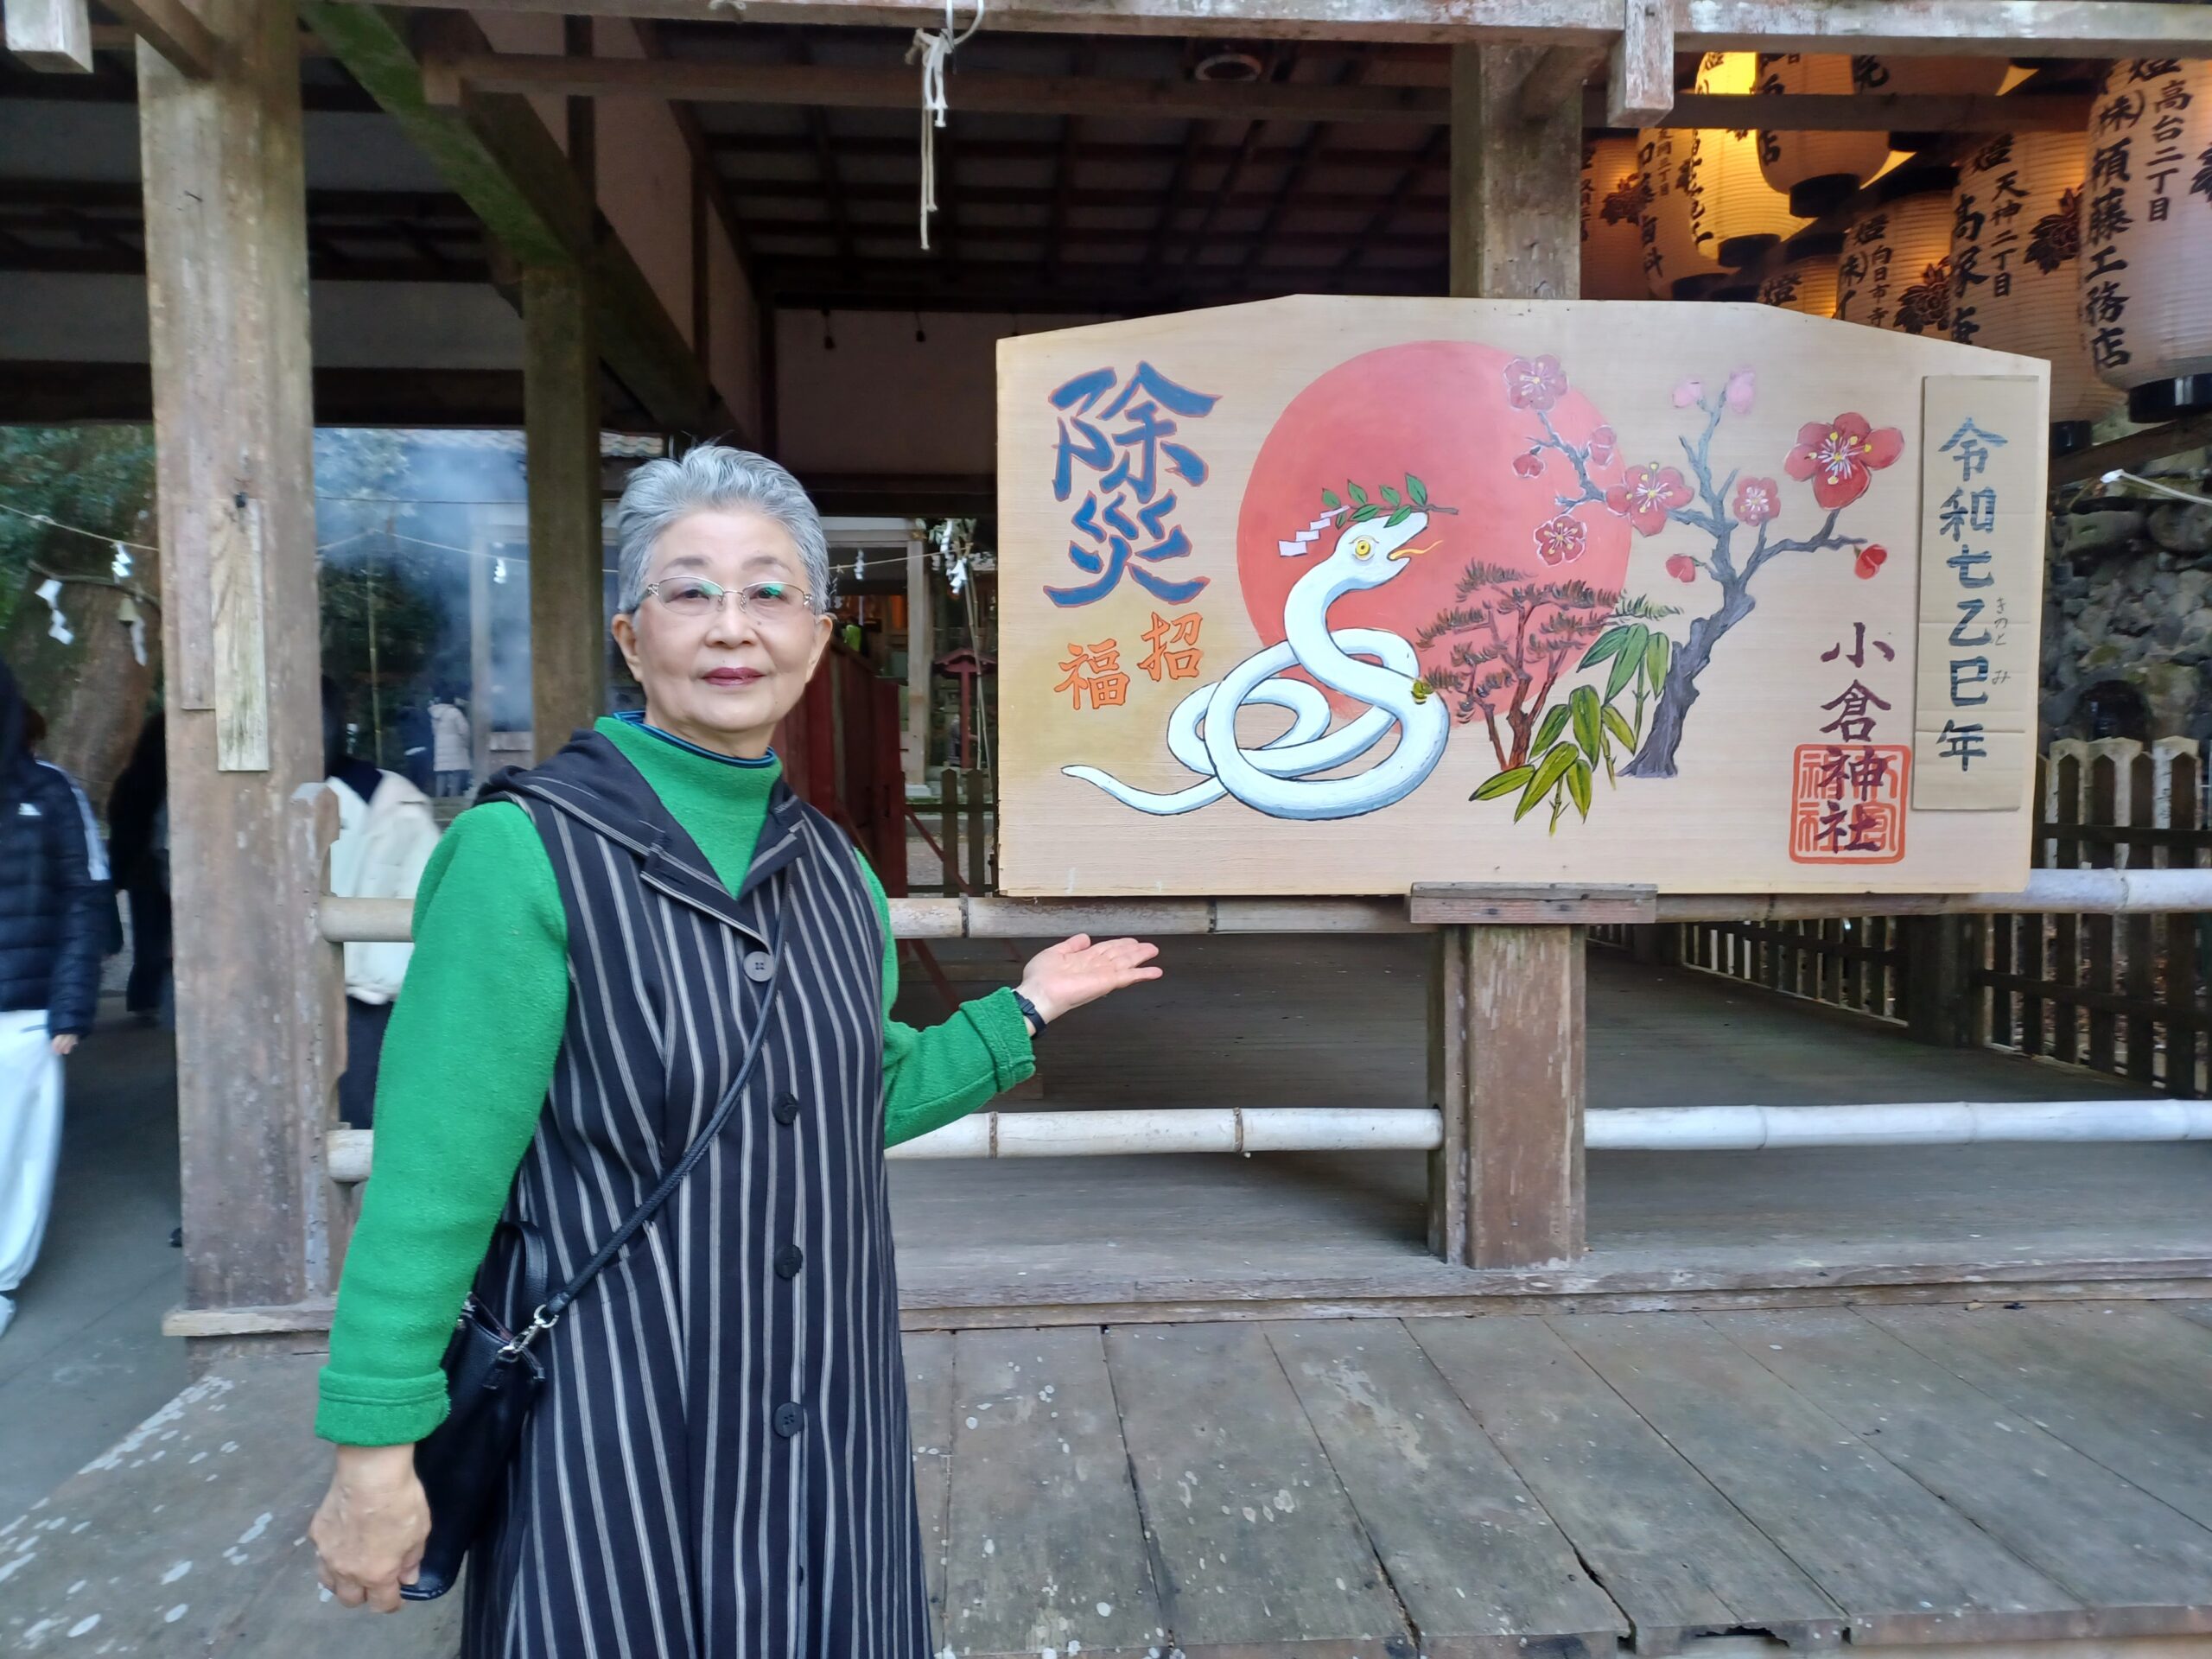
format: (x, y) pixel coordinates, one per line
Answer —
(370, 1531)
(1075, 971)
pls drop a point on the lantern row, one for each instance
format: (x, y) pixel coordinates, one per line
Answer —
(2088, 251)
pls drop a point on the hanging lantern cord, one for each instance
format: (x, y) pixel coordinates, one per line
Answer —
(934, 47)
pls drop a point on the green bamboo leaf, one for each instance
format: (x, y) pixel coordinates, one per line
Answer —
(1550, 770)
(1578, 785)
(1630, 659)
(1555, 723)
(1329, 498)
(1397, 518)
(1392, 496)
(1505, 783)
(1357, 495)
(1609, 642)
(1619, 727)
(1656, 656)
(1417, 490)
(1582, 704)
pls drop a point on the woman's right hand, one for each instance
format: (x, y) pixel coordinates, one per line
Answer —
(370, 1531)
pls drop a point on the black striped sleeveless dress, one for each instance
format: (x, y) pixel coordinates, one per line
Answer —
(718, 1466)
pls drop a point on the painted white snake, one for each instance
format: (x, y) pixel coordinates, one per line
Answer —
(1277, 778)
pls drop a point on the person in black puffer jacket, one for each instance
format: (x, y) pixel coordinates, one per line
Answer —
(55, 901)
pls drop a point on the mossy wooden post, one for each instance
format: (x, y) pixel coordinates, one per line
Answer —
(568, 653)
(1505, 1032)
(257, 990)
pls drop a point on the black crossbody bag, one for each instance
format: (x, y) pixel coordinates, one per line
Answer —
(492, 1377)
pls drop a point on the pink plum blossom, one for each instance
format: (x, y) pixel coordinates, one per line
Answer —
(1604, 446)
(1756, 501)
(1683, 567)
(1530, 465)
(1561, 540)
(1535, 385)
(1689, 393)
(1741, 388)
(1646, 494)
(1841, 457)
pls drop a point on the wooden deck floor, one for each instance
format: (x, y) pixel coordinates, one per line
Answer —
(1569, 1485)
(1289, 1021)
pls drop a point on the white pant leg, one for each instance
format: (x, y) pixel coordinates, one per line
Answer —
(30, 1139)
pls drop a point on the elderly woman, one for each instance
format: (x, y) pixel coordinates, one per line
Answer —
(717, 1465)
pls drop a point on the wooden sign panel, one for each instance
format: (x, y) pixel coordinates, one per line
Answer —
(1329, 595)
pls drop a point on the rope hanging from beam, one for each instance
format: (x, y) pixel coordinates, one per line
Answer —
(935, 47)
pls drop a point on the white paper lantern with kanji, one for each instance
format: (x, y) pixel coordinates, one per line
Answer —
(2015, 281)
(1896, 272)
(1817, 171)
(1806, 281)
(1750, 215)
(1679, 241)
(2146, 235)
(1612, 213)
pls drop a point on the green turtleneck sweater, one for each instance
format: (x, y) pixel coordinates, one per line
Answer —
(469, 1055)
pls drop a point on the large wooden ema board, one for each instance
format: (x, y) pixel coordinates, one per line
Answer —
(1326, 595)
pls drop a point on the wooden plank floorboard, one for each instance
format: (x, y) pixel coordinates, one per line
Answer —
(1681, 1561)
(2196, 1312)
(2141, 1567)
(161, 1544)
(2129, 1386)
(1257, 1550)
(1901, 1563)
(928, 1429)
(1046, 1547)
(1481, 1569)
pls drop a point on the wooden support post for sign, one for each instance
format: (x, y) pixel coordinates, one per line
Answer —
(1518, 1047)
(948, 789)
(258, 991)
(978, 785)
(567, 651)
(51, 34)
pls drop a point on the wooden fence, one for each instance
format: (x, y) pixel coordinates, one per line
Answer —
(2123, 995)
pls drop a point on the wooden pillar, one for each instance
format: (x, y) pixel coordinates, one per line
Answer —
(921, 646)
(1506, 1027)
(257, 991)
(567, 622)
(1516, 183)
(480, 657)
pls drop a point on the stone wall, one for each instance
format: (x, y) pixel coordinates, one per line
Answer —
(2129, 599)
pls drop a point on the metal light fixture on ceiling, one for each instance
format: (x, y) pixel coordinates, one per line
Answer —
(1232, 61)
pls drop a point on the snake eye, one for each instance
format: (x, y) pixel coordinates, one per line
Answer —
(1362, 549)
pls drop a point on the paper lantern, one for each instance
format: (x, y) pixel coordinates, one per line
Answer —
(2015, 273)
(1805, 280)
(1896, 272)
(1613, 213)
(1818, 171)
(1679, 239)
(2146, 235)
(1750, 215)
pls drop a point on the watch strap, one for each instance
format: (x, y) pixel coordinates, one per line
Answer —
(1029, 1012)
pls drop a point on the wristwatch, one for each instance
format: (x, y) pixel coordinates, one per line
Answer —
(1029, 1013)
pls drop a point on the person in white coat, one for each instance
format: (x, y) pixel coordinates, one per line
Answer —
(386, 830)
(449, 746)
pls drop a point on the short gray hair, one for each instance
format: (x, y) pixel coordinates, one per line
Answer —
(708, 477)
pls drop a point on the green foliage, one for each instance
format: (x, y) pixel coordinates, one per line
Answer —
(96, 478)
(1394, 508)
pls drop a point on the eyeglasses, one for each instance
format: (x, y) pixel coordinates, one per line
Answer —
(694, 598)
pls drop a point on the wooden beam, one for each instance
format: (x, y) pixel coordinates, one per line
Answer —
(1640, 69)
(173, 29)
(1876, 112)
(568, 624)
(496, 154)
(1997, 29)
(259, 995)
(841, 86)
(1524, 1070)
(53, 37)
(2135, 449)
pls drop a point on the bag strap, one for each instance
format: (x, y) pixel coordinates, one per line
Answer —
(549, 1314)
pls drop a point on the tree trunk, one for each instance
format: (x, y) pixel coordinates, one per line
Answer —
(1656, 758)
(94, 691)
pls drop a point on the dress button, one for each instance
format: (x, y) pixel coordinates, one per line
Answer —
(788, 1261)
(760, 966)
(790, 1419)
(786, 1108)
